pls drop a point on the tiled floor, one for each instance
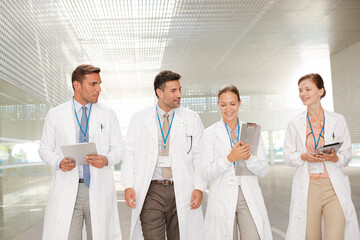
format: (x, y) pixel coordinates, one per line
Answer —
(276, 188)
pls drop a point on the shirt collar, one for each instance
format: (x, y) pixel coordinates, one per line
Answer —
(161, 112)
(78, 105)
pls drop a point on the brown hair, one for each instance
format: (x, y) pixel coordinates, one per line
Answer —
(163, 77)
(316, 79)
(81, 70)
(228, 88)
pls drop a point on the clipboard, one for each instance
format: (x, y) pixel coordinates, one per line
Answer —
(79, 151)
(250, 134)
(327, 148)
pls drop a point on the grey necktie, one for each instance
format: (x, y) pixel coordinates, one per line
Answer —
(166, 171)
(82, 138)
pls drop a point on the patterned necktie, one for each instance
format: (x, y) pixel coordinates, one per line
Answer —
(82, 138)
(166, 171)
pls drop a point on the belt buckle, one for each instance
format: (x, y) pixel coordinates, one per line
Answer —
(167, 182)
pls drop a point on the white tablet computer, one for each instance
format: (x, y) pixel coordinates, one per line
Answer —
(79, 151)
(327, 148)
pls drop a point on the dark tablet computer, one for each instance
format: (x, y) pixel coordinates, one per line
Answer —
(327, 148)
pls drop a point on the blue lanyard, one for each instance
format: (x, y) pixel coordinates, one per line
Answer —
(229, 134)
(162, 132)
(87, 123)
(315, 142)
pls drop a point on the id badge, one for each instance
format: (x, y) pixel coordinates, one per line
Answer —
(232, 179)
(164, 161)
(317, 167)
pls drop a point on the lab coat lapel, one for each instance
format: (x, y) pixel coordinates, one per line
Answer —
(329, 127)
(177, 124)
(300, 125)
(67, 117)
(95, 119)
(151, 126)
(222, 134)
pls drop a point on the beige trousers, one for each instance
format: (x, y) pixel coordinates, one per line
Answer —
(323, 202)
(244, 220)
(81, 212)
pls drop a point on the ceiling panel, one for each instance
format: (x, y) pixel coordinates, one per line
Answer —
(258, 44)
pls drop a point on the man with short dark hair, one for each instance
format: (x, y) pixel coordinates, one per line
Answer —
(82, 193)
(161, 167)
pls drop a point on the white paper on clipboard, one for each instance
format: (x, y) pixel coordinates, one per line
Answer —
(79, 151)
(250, 134)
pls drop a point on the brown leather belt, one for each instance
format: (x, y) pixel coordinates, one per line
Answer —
(163, 182)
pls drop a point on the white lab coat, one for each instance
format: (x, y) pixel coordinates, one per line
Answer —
(222, 200)
(336, 130)
(104, 130)
(140, 161)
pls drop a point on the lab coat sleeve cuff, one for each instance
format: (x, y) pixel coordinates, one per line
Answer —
(199, 187)
(110, 163)
(58, 163)
(293, 159)
(340, 161)
(225, 163)
(298, 160)
(128, 186)
(251, 161)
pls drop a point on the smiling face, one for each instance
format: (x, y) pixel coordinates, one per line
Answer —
(89, 90)
(170, 96)
(229, 106)
(309, 93)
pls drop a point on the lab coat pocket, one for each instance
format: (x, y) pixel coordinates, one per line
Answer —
(187, 147)
(346, 184)
(260, 204)
(334, 137)
(297, 208)
(258, 196)
(104, 140)
(187, 144)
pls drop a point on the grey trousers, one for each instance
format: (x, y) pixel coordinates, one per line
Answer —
(81, 212)
(159, 211)
(244, 220)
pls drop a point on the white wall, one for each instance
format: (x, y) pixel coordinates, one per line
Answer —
(345, 68)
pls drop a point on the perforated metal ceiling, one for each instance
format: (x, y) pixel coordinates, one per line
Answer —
(262, 46)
